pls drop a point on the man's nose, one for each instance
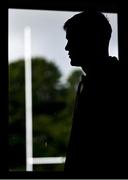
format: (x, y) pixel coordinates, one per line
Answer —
(66, 47)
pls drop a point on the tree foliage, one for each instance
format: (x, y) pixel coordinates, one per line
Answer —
(52, 103)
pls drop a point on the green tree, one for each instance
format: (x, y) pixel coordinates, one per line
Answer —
(53, 104)
(16, 114)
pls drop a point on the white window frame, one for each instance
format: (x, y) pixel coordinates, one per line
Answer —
(30, 160)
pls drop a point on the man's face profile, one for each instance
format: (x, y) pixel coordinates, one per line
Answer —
(73, 48)
(79, 47)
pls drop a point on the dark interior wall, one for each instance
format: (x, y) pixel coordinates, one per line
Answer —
(123, 35)
(64, 5)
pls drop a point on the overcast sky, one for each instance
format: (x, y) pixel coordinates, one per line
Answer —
(47, 36)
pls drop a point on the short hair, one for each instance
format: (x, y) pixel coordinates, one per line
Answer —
(91, 20)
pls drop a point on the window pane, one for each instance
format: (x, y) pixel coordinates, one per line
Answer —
(54, 84)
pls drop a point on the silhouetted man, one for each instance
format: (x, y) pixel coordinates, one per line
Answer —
(97, 142)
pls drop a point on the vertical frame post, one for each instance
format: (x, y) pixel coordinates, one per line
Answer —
(28, 98)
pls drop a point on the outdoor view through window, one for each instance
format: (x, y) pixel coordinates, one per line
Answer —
(52, 92)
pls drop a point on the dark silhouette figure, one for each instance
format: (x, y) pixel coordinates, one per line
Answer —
(97, 146)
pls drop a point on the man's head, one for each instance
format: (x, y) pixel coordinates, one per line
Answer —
(88, 34)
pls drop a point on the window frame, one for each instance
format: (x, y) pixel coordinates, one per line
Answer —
(80, 6)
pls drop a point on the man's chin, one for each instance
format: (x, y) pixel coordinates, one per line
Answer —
(74, 63)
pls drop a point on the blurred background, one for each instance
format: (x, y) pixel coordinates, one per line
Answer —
(54, 85)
